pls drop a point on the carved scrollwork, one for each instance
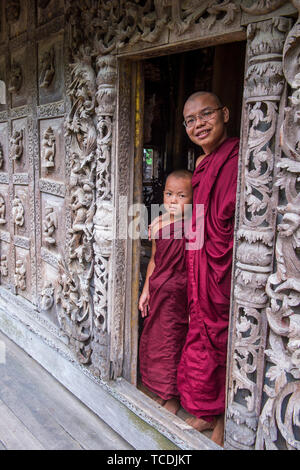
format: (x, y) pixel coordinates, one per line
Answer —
(280, 415)
(255, 233)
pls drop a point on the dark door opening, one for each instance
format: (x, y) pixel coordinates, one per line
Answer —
(169, 81)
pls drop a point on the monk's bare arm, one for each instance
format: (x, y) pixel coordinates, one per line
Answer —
(144, 298)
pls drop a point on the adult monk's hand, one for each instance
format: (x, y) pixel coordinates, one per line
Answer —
(144, 304)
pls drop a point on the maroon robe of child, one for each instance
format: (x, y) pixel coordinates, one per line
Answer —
(202, 369)
(165, 327)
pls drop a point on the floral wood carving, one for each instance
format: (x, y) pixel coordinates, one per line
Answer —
(255, 231)
(279, 420)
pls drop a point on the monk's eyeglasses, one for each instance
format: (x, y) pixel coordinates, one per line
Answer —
(205, 116)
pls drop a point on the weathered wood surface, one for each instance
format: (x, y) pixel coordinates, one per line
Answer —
(38, 413)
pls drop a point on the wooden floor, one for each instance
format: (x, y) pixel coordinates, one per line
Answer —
(38, 413)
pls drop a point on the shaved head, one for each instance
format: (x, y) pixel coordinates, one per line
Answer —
(186, 174)
(197, 94)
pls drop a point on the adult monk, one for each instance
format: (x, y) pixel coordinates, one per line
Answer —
(202, 369)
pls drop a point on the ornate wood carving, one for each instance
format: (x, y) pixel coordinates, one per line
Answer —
(20, 275)
(279, 419)
(47, 68)
(1, 155)
(255, 229)
(261, 7)
(114, 25)
(76, 271)
(16, 78)
(4, 266)
(12, 10)
(18, 212)
(2, 210)
(50, 225)
(16, 142)
(48, 148)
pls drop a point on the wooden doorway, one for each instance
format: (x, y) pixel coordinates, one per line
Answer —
(167, 82)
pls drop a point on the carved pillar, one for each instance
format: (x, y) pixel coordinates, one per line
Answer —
(279, 421)
(255, 228)
(103, 219)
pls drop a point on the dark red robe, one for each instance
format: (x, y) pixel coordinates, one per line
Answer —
(165, 327)
(202, 369)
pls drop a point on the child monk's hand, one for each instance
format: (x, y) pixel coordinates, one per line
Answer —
(144, 304)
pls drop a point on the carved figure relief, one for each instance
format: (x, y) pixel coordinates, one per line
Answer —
(47, 297)
(117, 25)
(47, 68)
(1, 156)
(12, 10)
(50, 225)
(18, 212)
(74, 293)
(2, 210)
(16, 142)
(16, 78)
(20, 275)
(4, 266)
(48, 148)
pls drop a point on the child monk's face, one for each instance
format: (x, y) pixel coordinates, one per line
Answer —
(177, 193)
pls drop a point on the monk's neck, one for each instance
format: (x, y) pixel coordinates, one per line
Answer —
(211, 148)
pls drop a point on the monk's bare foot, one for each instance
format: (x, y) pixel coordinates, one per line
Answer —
(200, 424)
(159, 400)
(172, 405)
(218, 432)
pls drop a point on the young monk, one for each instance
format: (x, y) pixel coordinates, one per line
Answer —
(202, 369)
(163, 302)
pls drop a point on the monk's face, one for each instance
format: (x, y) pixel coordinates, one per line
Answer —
(177, 193)
(208, 134)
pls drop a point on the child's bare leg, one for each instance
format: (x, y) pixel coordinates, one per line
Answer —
(172, 405)
(218, 432)
(159, 400)
(201, 424)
